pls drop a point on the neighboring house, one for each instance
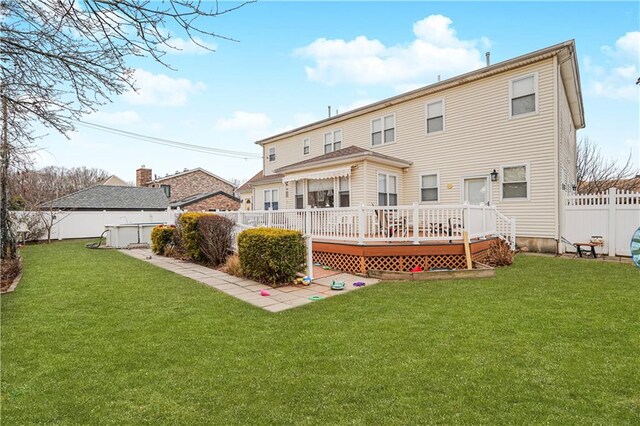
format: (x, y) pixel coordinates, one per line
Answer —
(218, 200)
(113, 180)
(106, 197)
(503, 135)
(245, 192)
(209, 191)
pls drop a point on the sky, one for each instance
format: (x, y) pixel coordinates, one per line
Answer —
(293, 59)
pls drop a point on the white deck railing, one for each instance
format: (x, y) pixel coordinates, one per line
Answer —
(415, 223)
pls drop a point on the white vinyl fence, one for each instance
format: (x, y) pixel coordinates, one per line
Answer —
(613, 215)
(89, 224)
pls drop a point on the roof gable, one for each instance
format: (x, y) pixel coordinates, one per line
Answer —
(186, 172)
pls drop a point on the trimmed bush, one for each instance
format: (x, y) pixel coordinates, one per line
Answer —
(215, 238)
(271, 255)
(188, 236)
(161, 237)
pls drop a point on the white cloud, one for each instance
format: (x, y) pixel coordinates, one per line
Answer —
(197, 46)
(355, 105)
(161, 90)
(115, 118)
(253, 125)
(436, 50)
(616, 79)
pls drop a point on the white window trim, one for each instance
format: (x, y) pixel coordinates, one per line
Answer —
(420, 188)
(307, 141)
(333, 141)
(528, 176)
(536, 91)
(395, 130)
(378, 173)
(270, 191)
(489, 188)
(426, 117)
(269, 154)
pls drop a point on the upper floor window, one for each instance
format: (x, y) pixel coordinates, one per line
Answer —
(515, 182)
(332, 141)
(271, 199)
(429, 188)
(306, 146)
(272, 153)
(383, 130)
(387, 189)
(523, 94)
(435, 117)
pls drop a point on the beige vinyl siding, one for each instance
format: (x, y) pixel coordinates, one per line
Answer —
(259, 195)
(479, 136)
(566, 139)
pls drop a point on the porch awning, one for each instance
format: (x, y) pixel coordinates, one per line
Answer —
(322, 174)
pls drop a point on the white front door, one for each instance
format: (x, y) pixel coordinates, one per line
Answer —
(476, 190)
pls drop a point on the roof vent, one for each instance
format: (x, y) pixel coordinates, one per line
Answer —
(488, 55)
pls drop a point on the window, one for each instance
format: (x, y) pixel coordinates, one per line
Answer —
(332, 141)
(515, 182)
(343, 186)
(387, 190)
(299, 195)
(166, 189)
(271, 199)
(320, 193)
(383, 130)
(272, 154)
(306, 146)
(429, 188)
(523, 95)
(435, 117)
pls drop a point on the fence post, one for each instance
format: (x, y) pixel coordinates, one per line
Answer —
(612, 223)
(416, 224)
(269, 219)
(361, 224)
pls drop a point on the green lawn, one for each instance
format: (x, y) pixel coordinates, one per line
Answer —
(94, 336)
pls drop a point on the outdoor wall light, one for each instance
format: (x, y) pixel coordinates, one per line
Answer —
(494, 176)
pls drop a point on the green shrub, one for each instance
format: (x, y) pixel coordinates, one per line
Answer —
(215, 238)
(270, 255)
(188, 236)
(161, 237)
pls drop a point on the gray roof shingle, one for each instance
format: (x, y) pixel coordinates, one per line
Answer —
(106, 197)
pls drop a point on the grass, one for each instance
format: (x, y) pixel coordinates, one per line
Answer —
(93, 336)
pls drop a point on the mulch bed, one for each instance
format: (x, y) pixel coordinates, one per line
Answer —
(9, 270)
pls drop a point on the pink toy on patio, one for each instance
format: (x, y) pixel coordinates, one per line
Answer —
(264, 293)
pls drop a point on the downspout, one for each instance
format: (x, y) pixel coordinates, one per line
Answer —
(556, 152)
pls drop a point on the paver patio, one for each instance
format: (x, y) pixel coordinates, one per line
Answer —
(248, 291)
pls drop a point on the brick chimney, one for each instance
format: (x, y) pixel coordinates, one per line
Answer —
(143, 175)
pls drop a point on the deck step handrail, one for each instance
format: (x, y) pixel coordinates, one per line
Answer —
(414, 223)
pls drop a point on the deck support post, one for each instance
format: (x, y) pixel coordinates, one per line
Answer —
(416, 224)
(309, 242)
(361, 224)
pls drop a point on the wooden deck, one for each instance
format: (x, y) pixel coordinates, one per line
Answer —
(393, 256)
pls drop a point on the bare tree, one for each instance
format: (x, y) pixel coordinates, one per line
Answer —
(62, 59)
(596, 173)
(36, 187)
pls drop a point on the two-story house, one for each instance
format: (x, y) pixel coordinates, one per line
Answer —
(194, 189)
(503, 135)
